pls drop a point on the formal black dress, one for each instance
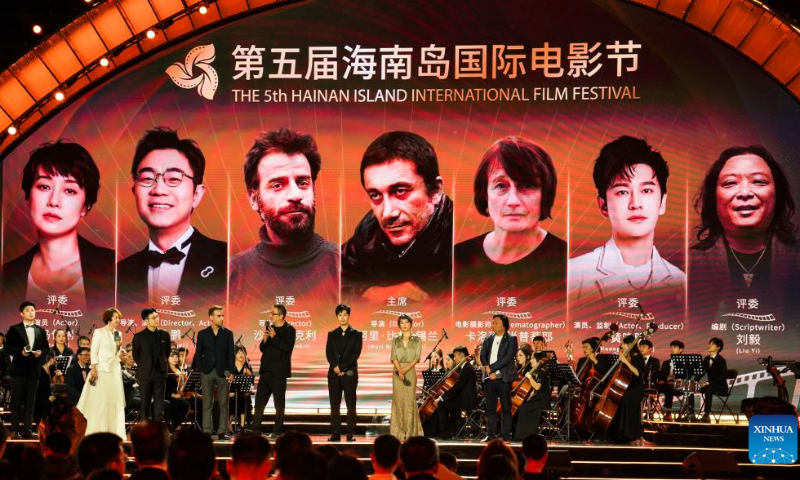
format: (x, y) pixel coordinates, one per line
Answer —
(529, 414)
(626, 426)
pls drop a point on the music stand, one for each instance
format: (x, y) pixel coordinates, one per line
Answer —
(431, 377)
(561, 374)
(609, 358)
(193, 386)
(686, 367)
(63, 362)
(241, 384)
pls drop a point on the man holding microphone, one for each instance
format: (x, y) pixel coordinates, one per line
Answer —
(276, 366)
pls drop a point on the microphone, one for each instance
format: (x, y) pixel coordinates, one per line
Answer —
(239, 340)
(186, 333)
(444, 334)
(130, 327)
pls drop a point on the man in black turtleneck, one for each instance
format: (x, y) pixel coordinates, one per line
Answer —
(403, 247)
(290, 259)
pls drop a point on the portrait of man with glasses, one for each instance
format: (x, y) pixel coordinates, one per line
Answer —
(178, 260)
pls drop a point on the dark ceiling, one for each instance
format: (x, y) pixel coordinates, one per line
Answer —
(17, 18)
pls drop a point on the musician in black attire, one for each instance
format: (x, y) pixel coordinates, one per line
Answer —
(716, 369)
(462, 397)
(529, 414)
(151, 348)
(497, 356)
(27, 345)
(626, 426)
(666, 380)
(276, 366)
(76, 375)
(342, 350)
(600, 363)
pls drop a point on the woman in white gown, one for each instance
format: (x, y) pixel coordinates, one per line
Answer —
(102, 400)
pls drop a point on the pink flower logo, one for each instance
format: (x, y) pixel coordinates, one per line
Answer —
(197, 71)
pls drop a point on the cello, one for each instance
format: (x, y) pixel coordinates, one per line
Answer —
(523, 389)
(615, 382)
(589, 377)
(429, 404)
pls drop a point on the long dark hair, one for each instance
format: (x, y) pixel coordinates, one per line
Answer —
(710, 228)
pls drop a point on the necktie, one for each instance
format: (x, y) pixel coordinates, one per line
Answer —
(172, 256)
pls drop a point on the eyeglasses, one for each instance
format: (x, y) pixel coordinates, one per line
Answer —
(171, 178)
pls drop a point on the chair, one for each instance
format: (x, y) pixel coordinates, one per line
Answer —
(730, 379)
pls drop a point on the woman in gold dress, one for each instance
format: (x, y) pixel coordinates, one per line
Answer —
(406, 350)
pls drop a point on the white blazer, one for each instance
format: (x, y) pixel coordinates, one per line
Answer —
(104, 351)
(601, 272)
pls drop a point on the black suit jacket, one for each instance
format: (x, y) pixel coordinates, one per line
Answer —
(716, 373)
(347, 361)
(143, 350)
(204, 274)
(505, 356)
(282, 346)
(97, 267)
(16, 340)
(464, 392)
(652, 364)
(210, 355)
(74, 380)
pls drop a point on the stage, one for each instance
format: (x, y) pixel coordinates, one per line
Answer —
(718, 446)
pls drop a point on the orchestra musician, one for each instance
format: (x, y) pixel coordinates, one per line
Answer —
(626, 426)
(76, 375)
(462, 397)
(529, 414)
(242, 400)
(497, 356)
(539, 343)
(176, 380)
(600, 363)
(651, 364)
(448, 362)
(666, 380)
(436, 365)
(60, 344)
(716, 369)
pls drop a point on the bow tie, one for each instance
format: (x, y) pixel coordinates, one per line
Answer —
(30, 326)
(87, 369)
(172, 256)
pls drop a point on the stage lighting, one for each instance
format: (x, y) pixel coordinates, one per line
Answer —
(203, 9)
(37, 29)
(12, 130)
(151, 34)
(60, 96)
(104, 62)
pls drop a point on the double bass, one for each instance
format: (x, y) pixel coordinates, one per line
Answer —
(615, 383)
(589, 377)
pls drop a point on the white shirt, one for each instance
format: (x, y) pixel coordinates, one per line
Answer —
(166, 278)
(30, 332)
(495, 351)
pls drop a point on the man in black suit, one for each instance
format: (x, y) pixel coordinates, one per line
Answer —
(716, 369)
(652, 363)
(497, 356)
(27, 345)
(151, 349)
(276, 366)
(342, 349)
(76, 374)
(214, 357)
(462, 397)
(168, 186)
(666, 380)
